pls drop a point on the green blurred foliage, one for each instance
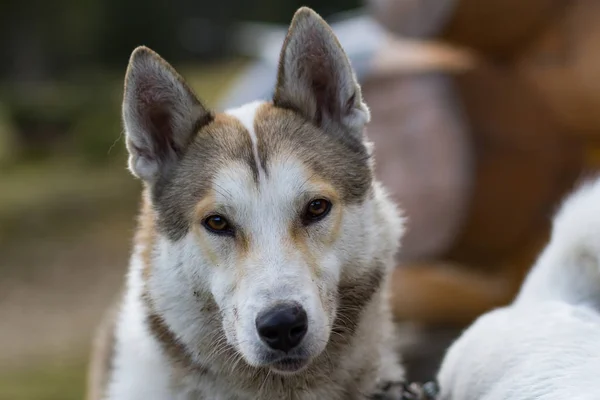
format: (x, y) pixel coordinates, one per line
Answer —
(60, 119)
(60, 89)
(56, 381)
(64, 35)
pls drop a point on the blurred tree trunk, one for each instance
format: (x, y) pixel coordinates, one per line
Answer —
(21, 43)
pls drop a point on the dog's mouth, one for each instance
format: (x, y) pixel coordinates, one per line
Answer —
(289, 365)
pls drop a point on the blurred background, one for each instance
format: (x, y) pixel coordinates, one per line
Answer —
(484, 114)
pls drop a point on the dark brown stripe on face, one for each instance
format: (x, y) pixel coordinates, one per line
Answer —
(174, 349)
(218, 144)
(336, 157)
(354, 297)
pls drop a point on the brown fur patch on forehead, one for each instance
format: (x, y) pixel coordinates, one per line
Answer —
(333, 155)
(218, 144)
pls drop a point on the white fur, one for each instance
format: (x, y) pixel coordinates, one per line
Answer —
(275, 270)
(544, 351)
(139, 359)
(207, 289)
(569, 267)
(246, 114)
(545, 345)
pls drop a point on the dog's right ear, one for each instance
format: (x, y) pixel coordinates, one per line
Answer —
(161, 114)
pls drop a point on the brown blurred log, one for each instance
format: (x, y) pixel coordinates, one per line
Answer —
(422, 148)
(496, 28)
(525, 161)
(441, 293)
(401, 57)
(478, 162)
(499, 28)
(563, 64)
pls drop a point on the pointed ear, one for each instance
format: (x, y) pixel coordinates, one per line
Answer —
(160, 113)
(315, 76)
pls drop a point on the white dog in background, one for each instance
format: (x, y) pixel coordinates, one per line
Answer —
(546, 345)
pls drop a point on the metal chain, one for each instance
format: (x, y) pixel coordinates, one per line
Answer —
(407, 391)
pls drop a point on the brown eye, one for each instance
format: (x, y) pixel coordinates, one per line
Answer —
(217, 224)
(316, 210)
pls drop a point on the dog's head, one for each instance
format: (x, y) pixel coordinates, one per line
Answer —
(262, 210)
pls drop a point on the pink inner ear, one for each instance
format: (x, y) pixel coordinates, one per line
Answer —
(350, 104)
(317, 67)
(161, 129)
(154, 113)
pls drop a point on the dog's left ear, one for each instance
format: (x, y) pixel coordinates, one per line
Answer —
(315, 77)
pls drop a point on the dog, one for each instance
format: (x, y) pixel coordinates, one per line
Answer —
(544, 345)
(265, 243)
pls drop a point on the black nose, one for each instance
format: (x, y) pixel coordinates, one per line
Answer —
(283, 326)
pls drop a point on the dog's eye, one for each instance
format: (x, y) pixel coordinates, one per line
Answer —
(218, 224)
(316, 210)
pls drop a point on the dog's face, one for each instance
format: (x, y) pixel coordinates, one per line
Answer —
(259, 210)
